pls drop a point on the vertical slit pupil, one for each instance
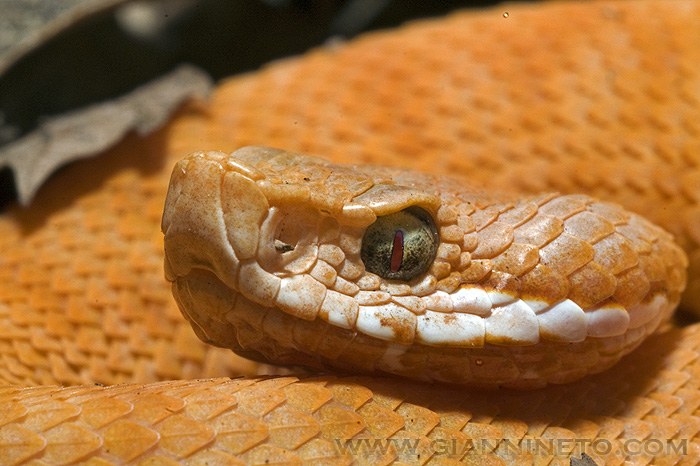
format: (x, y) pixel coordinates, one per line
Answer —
(397, 252)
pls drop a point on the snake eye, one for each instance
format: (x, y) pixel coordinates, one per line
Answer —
(400, 246)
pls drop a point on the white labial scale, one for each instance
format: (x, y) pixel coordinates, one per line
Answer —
(412, 303)
(383, 322)
(438, 301)
(564, 321)
(471, 301)
(301, 296)
(513, 324)
(499, 298)
(455, 329)
(643, 313)
(608, 321)
(372, 298)
(258, 285)
(339, 310)
(536, 305)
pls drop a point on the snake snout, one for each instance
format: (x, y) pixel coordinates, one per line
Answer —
(212, 216)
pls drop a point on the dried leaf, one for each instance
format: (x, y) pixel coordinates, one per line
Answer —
(87, 131)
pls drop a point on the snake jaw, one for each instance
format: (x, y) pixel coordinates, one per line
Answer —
(263, 250)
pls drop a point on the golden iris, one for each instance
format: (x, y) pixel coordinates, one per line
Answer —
(400, 246)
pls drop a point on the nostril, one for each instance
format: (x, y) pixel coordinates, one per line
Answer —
(289, 240)
(282, 247)
(294, 228)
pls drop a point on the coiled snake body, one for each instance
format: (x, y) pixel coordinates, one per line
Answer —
(601, 97)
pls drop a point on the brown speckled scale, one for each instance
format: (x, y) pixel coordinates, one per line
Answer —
(593, 97)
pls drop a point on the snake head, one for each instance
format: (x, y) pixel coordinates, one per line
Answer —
(295, 260)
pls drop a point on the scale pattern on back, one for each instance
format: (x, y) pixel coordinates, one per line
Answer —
(600, 97)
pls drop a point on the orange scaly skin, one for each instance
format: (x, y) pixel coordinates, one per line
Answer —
(602, 98)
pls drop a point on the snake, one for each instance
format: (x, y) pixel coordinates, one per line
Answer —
(467, 271)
